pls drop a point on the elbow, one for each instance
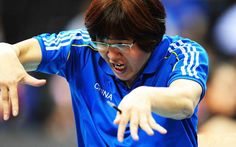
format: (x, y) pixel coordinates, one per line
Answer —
(187, 112)
(185, 109)
(188, 109)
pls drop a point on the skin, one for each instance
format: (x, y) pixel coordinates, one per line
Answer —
(134, 59)
(177, 101)
(28, 53)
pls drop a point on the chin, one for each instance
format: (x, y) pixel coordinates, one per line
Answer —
(126, 79)
(122, 78)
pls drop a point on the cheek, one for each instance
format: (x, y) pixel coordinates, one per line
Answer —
(137, 60)
(135, 63)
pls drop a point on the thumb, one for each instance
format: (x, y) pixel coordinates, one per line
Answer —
(29, 80)
(117, 119)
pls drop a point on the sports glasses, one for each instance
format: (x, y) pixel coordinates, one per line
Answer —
(123, 47)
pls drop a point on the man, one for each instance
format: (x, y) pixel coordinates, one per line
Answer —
(122, 58)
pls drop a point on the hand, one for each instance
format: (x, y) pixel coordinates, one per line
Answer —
(136, 109)
(11, 74)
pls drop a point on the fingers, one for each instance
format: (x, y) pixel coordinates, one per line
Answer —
(5, 103)
(156, 126)
(134, 124)
(123, 121)
(9, 95)
(144, 124)
(143, 120)
(117, 119)
(10, 102)
(33, 81)
(13, 94)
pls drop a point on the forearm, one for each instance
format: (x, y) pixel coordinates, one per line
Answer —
(169, 103)
(28, 53)
(176, 102)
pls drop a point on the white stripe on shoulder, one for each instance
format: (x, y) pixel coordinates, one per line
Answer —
(183, 67)
(190, 54)
(65, 36)
(64, 39)
(188, 46)
(197, 63)
(56, 41)
(49, 39)
(57, 47)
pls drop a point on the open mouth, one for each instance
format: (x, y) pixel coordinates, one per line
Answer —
(119, 67)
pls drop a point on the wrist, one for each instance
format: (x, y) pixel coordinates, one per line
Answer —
(7, 48)
(150, 94)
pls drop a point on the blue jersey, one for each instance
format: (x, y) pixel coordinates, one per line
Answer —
(92, 83)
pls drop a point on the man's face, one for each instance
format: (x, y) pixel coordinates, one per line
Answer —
(125, 63)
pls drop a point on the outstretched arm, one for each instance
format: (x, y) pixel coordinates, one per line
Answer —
(177, 101)
(15, 60)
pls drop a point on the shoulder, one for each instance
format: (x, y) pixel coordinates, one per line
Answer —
(183, 45)
(82, 39)
(68, 36)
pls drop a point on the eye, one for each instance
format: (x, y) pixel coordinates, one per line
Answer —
(122, 46)
(100, 46)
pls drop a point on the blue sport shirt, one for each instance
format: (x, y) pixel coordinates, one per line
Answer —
(92, 83)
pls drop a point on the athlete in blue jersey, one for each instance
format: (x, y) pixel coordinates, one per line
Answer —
(131, 85)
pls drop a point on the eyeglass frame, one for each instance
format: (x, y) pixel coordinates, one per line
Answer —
(115, 45)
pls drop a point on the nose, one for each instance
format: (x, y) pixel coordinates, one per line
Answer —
(113, 53)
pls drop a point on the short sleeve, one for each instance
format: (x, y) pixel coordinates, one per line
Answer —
(56, 49)
(192, 63)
